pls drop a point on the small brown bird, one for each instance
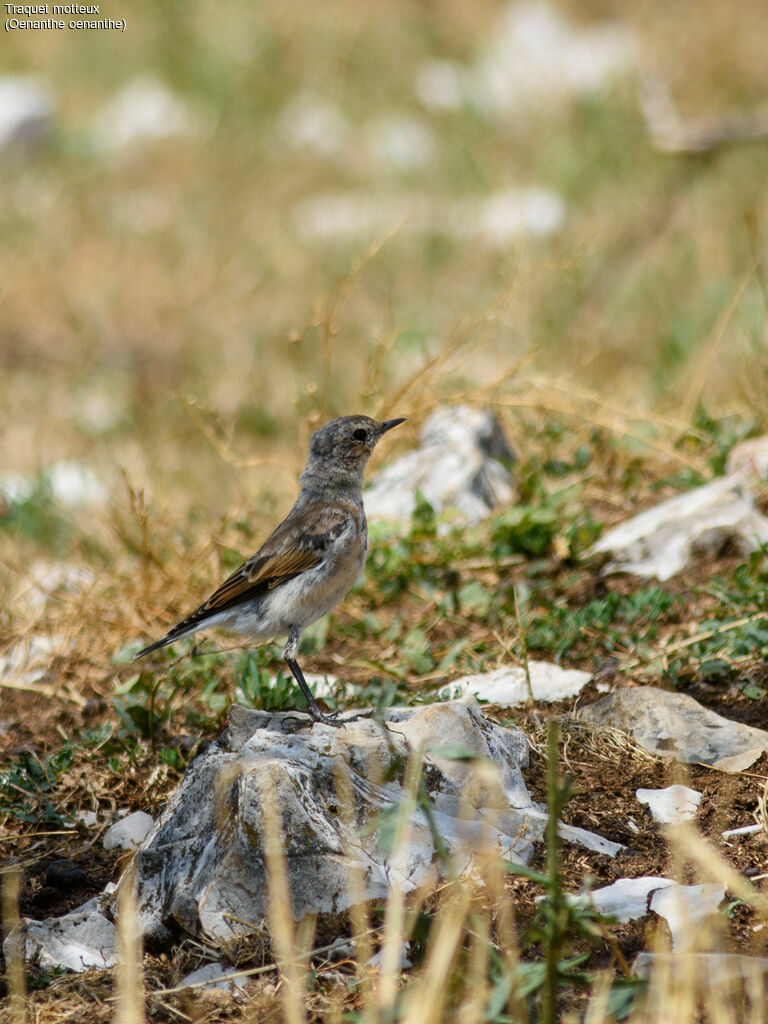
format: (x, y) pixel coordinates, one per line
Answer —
(310, 561)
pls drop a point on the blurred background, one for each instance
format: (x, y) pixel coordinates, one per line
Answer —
(228, 223)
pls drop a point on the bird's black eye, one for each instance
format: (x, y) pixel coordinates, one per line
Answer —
(360, 434)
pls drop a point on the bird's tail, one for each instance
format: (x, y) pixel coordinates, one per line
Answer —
(154, 647)
(173, 634)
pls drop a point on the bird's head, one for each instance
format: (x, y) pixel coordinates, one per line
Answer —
(346, 443)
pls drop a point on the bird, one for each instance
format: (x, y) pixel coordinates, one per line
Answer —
(309, 562)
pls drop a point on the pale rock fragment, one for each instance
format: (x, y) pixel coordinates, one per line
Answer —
(626, 900)
(736, 763)
(712, 970)
(27, 107)
(216, 976)
(29, 661)
(534, 57)
(128, 833)
(662, 541)
(462, 463)
(673, 725)
(670, 805)
(686, 908)
(79, 940)
(201, 870)
(507, 686)
(146, 110)
(497, 219)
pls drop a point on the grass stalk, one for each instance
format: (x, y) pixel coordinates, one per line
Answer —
(14, 949)
(281, 922)
(129, 975)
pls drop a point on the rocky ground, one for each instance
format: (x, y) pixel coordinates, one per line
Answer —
(635, 671)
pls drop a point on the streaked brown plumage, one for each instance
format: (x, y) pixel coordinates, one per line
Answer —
(310, 560)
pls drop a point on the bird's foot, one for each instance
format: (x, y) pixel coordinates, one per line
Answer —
(331, 719)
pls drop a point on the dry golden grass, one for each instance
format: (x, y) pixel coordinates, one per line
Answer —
(165, 323)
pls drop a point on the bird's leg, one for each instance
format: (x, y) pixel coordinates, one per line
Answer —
(289, 655)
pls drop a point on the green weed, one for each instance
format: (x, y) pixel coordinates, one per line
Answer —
(27, 787)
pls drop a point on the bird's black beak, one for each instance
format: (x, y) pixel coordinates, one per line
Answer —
(388, 424)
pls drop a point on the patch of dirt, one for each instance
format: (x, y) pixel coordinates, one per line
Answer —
(52, 886)
(603, 800)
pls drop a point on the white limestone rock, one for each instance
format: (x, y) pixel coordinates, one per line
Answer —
(507, 686)
(673, 725)
(27, 107)
(749, 459)
(686, 908)
(535, 57)
(79, 940)
(664, 540)
(713, 970)
(216, 976)
(671, 805)
(145, 110)
(29, 661)
(496, 218)
(201, 869)
(396, 142)
(46, 581)
(70, 483)
(626, 900)
(128, 833)
(461, 463)
(311, 123)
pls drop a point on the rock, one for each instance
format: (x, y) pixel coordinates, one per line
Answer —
(65, 874)
(396, 142)
(685, 908)
(201, 870)
(216, 976)
(461, 463)
(497, 219)
(28, 662)
(26, 112)
(75, 485)
(311, 123)
(129, 833)
(749, 459)
(507, 686)
(744, 830)
(534, 58)
(670, 805)
(145, 110)
(69, 483)
(673, 725)
(501, 217)
(739, 762)
(699, 524)
(582, 837)
(710, 969)
(45, 581)
(626, 900)
(76, 941)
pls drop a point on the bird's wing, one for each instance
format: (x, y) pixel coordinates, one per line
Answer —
(296, 545)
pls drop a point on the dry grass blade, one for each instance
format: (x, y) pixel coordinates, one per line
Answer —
(427, 996)
(129, 975)
(357, 911)
(394, 919)
(473, 1003)
(14, 948)
(281, 921)
(761, 813)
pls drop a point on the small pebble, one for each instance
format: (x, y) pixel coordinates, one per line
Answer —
(64, 874)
